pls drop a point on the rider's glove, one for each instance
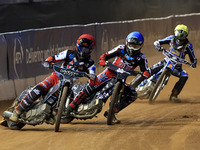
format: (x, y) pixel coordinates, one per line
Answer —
(193, 65)
(157, 45)
(92, 76)
(46, 64)
(146, 74)
(102, 60)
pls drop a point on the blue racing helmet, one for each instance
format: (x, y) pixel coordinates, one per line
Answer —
(134, 42)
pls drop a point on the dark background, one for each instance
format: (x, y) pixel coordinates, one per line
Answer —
(19, 15)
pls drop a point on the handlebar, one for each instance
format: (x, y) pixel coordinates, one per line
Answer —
(121, 70)
(175, 59)
(69, 73)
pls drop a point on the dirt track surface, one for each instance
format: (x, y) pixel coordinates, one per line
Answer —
(161, 126)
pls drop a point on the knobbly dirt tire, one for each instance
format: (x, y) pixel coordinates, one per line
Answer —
(113, 101)
(15, 126)
(159, 85)
(60, 108)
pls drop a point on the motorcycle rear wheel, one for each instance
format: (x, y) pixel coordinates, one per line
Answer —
(162, 81)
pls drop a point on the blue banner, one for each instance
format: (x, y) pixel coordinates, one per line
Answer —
(27, 50)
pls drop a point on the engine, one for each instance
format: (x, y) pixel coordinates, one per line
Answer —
(38, 115)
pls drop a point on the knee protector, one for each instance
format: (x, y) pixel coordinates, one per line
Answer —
(28, 100)
(88, 90)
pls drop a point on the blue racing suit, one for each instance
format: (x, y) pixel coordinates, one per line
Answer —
(180, 51)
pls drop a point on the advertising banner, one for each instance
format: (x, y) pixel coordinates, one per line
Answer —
(28, 50)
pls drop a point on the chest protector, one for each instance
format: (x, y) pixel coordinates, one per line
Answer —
(177, 50)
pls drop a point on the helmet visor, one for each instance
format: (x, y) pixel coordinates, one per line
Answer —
(84, 49)
(180, 34)
(134, 47)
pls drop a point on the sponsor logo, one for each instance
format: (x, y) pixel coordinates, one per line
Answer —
(37, 92)
(69, 73)
(122, 71)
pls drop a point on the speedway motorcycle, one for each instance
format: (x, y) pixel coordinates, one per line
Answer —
(93, 104)
(151, 87)
(49, 108)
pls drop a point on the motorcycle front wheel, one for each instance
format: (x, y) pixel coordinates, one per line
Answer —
(60, 108)
(162, 81)
(113, 101)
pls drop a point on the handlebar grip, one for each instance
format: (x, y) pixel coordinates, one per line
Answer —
(162, 49)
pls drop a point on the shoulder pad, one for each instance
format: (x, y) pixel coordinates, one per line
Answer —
(167, 38)
(119, 47)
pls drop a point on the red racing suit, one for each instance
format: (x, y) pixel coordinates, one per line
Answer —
(68, 57)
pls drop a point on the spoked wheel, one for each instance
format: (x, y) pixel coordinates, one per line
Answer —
(60, 108)
(113, 101)
(162, 81)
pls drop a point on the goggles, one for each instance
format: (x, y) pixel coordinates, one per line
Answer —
(133, 46)
(84, 49)
(180, 34)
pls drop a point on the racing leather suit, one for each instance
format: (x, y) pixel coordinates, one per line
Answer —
(119, 53)
(186, 48)
(68, 57)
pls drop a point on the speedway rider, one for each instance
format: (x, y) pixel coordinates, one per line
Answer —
(126, 56)
(79, 59)
(179, 45)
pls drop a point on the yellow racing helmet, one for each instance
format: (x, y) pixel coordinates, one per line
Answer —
(181, 33)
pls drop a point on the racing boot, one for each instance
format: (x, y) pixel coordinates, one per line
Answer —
(15, 116)
(115, 120)
(175, 99)
(177, 89)
(174, 96)
(67, 111)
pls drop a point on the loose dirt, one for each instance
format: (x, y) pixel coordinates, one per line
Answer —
(159, 126)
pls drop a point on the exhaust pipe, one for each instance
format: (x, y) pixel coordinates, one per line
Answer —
(7, 114)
